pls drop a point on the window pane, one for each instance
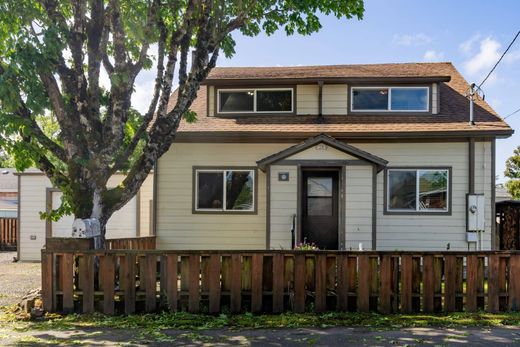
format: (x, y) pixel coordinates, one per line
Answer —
(239, 190)
(319, 206)
(274, 100)
(433, 190)
(236, 101)
(210, 191)
(405, 99)
(319, 186)
(402, 188)
(370, 99)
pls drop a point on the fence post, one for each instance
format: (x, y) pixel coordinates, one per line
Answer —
(48, 281)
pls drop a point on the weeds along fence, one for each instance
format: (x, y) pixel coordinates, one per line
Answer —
(128, 281)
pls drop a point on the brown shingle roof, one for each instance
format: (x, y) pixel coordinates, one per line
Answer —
(452, 118)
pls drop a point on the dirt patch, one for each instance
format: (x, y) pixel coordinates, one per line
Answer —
(16, 279)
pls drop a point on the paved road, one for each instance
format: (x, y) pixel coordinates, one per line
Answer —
(17, 279)
(340, 336)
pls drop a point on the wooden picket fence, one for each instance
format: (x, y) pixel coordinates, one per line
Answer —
(140, 243)
(275, 281)
(8, 232)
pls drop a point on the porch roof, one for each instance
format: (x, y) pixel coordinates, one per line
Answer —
(380, 163)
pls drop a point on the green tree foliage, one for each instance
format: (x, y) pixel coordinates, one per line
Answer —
(513, 172)
(55, 113)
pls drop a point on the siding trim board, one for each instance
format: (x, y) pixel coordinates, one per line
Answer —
(494, 243)
(374, 208)
(268, 208)
(418, 213)
(19, 221)
(236, 212)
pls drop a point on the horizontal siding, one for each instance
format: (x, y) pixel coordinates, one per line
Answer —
(146, 198)
(334, 99)
(284, 205)
(179, 228)
(358, 207)
(307, 99)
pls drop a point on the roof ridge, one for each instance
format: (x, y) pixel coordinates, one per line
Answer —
(334, 65)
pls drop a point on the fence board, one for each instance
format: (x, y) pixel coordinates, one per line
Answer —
(257, 265)
(471, 283)
(406, 283)
(108, 276)
(87, 275)
(321, 283)
(67, 283)
(236, 296)
(398, 282)
(151, 282)
(8, 233)
(129, 285)
(193, 283)
(385, 293)
(428, 287)
(214, 283)
(493, 283)
(363, 286)
(514, 283)
(299, 283)
(278, 276)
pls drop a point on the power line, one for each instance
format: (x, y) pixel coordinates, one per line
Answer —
(512, 113)
(499, 60)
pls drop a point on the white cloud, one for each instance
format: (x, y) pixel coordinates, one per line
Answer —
(431, 55)
(467, 46)
(411, 40)
(488, 54)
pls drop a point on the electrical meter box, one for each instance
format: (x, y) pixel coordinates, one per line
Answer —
(476, 212)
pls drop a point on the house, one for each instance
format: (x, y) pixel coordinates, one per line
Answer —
(8, 193)
(348, 157)
(37, 195)
(8, 209)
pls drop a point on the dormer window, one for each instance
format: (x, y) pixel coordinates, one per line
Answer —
(255, 100)
(390, 99)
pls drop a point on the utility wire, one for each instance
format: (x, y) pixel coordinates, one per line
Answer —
(512, 113)
(499, 60)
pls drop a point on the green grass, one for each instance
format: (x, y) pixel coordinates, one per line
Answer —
(186, 321)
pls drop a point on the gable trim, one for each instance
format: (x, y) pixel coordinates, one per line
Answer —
(380, 163)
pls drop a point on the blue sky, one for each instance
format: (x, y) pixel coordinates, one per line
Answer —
(471, 34)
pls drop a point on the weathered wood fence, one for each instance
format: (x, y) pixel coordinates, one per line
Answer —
(139, 243)
(276, 281)
(8, 231)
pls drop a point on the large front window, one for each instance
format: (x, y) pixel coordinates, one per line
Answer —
(417, 190)
(384, 99)
(224, 190)
(276, 100)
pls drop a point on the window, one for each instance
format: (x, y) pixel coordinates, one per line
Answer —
(403, 99)
(417, 190)
(277, 100)
(319, 196)
(224, 190)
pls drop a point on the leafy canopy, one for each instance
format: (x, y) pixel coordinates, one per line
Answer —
(55, 112)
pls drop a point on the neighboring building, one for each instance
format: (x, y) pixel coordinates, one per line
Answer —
(8, 193)
(37, 195)
(372, 156)
(502, 194)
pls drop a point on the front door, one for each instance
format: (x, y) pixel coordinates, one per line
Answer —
(320, 208)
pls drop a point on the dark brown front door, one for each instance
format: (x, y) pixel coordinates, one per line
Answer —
(320, 208)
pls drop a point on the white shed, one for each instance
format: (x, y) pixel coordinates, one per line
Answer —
(38, 195)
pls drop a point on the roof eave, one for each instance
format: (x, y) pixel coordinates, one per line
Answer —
(310, 80)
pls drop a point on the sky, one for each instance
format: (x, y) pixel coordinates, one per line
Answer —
(470, 34)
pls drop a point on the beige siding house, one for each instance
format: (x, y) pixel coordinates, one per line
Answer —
(36, 194)
(344, 157)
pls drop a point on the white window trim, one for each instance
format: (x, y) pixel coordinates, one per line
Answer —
(417, 192)
(224, 197)
(254, 90)
(389, 106)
